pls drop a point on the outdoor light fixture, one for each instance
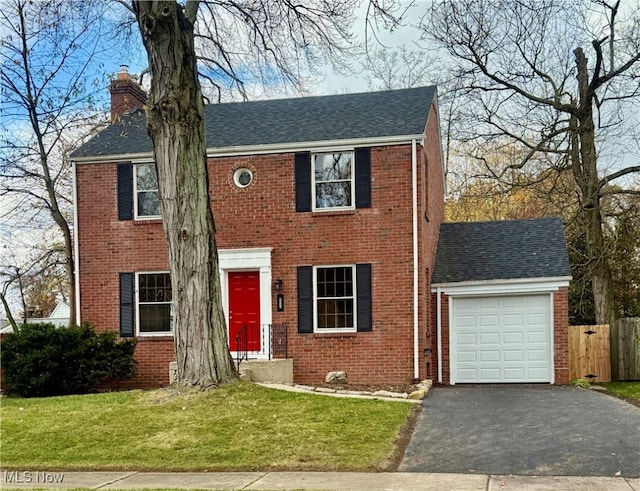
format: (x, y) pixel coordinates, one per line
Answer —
(277, 285)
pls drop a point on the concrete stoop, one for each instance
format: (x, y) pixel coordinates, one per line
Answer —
(278, 371)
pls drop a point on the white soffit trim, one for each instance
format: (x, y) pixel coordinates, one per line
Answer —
(272, 148)
(502, 287)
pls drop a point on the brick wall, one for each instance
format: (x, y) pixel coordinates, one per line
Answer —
(561, 335)
(263, 215)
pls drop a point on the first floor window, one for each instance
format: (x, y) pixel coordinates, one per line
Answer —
(154, 303)
(335, 298)
(147, 195)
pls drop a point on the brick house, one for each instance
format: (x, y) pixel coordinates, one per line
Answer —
(328, 212)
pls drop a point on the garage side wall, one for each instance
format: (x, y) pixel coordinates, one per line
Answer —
(561, 335)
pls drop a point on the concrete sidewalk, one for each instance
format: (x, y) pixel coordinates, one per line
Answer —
(339, 481)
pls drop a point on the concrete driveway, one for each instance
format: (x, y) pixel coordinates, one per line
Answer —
(525, 429)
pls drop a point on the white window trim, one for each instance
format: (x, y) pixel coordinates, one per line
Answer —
(353, 181)
(319, 330)
(137, 295)
(136, 216)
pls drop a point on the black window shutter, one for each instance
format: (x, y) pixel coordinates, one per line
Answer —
(125, 191)
(305, 299)
(303, 181)
(126, 304)
(363, 287)
(363, 177)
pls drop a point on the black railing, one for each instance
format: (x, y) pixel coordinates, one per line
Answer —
(269, 339)
(242, 345)
(278, 341)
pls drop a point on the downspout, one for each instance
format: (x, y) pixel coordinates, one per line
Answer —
(414, 192)
(439, 331)
(76, 245)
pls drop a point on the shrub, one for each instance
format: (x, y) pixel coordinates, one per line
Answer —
(45, 360)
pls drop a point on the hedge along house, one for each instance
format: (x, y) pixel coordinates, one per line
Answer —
(327, 212)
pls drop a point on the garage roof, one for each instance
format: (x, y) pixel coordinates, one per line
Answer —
(503, 250)
(388, 113)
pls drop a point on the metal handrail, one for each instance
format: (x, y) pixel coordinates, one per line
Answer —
(272, 338)
(242, 345)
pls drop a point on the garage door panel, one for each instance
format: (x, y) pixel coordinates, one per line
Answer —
(513, 355)
(492, 320)
(467, 356)
(515, 319)
(511, 303)
(501, 339)
(513, 374)
(466, 339)
(488, 338)
(489, 374)
(538, 374)
(538, 319)
(513, 337)
(534, 337)
(489, 356)
(537, 355)
(536, 301)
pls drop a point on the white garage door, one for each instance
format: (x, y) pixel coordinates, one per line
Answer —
(501, 339)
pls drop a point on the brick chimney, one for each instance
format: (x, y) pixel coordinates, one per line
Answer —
(126, 94)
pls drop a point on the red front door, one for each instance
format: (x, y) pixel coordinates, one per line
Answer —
(244, 308)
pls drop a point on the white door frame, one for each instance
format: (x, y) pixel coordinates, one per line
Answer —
(250, 259)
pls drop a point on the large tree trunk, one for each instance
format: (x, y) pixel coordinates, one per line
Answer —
(175, 116)
(585, 171)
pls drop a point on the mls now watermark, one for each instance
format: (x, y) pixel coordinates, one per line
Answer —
(32, 477)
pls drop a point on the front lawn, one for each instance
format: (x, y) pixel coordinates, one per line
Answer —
(629, 391)
(234, 427)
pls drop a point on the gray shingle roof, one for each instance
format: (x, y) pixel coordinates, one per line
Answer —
(306, 119)
(519, 249)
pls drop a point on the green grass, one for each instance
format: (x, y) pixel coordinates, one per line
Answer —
(234, 427)
(626, 390)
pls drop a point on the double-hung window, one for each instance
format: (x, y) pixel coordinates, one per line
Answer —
(328, 181)
(146, 193)
(154, 303)
(333, 180)
(335, 298)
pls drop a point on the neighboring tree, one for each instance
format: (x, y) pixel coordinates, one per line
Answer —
(288, 37)
(514, 65)
(46, 50)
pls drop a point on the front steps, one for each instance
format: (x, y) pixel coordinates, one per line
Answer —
(278, 371)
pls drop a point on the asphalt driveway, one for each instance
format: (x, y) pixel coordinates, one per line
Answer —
(525, 429)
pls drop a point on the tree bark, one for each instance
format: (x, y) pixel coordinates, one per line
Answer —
(585, 172)
(175, 119)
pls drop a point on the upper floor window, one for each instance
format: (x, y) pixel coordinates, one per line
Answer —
(333, 180)
(327, 181)
(154, 303)
(147, 196)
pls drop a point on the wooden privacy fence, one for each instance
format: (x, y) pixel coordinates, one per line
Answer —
(589, 353)
(625, 349)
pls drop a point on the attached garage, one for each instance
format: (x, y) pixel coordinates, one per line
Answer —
(501, 302)
(501, 339)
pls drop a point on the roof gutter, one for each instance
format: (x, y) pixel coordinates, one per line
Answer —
(558, 281)
(321, 145)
